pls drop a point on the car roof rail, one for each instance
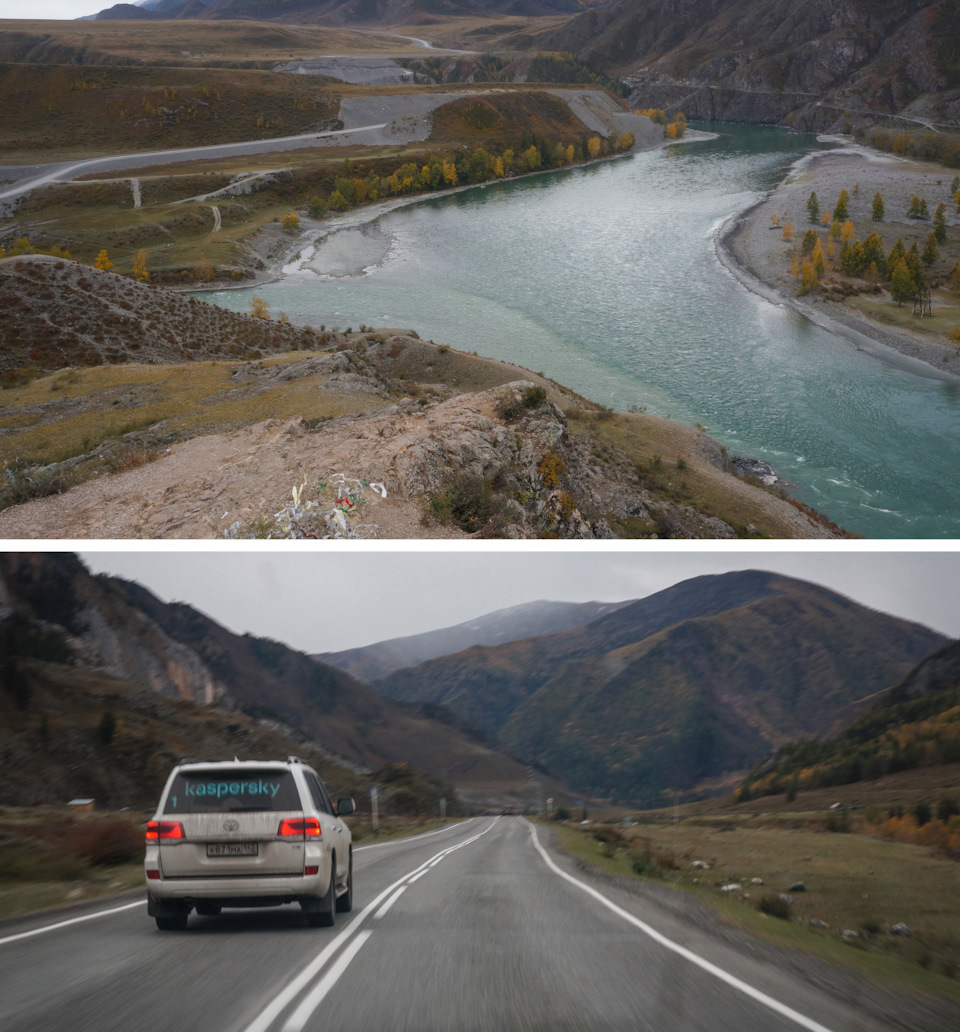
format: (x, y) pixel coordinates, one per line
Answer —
(294, 759)
(187, 759)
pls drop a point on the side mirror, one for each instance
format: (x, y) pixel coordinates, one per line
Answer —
(345, 807)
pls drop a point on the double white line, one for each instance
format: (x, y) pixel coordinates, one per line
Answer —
(344, 954)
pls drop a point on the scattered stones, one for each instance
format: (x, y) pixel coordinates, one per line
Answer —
(786, 897)
(900, 929)
(797, 886)
(815, 922)
(756, 881)
(731, 887)
(763, 471)
(849, 934)
(701, 865)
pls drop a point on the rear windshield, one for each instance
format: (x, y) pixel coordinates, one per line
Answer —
(232, 792)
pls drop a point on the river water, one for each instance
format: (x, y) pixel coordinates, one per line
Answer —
(606, 279)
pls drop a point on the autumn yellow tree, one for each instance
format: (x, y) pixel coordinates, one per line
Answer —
(626, 142)
(103, 261)
(290, 222)
(808, 277)
(140, 273)
(817, 259)
(202, 269)
(788, 232)
(259, 308)
(593, 146)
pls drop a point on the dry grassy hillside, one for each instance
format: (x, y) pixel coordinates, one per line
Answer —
(56, 313)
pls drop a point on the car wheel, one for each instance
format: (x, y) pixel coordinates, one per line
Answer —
(326, 914)
(172, 922)
(208, 909)
(345, 902)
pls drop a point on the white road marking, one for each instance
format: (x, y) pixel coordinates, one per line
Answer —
(286, 996)
(413, 838)
(748, 990)
(72, 921)
(393, 899)
(302, 1014)
(416, 877)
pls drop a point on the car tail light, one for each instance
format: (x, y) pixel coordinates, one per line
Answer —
(153, 875)
(299, 827)
(164, 831)
(312, 869)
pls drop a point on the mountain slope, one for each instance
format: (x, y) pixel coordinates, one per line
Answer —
(689, 685)
(174, 652)
(915, 724)
(372, 662)
(808, 64)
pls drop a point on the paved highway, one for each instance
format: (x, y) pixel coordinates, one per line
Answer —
(475, 928)
(33, 176)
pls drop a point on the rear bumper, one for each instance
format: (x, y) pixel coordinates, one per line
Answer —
(255, 891)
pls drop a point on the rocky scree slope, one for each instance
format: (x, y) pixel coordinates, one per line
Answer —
(816, 66)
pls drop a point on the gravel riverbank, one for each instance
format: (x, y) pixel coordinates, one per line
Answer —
(754, 250)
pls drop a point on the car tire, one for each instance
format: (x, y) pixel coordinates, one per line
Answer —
(345, 902)
(172, 922)
(208, 909)
(326, 913)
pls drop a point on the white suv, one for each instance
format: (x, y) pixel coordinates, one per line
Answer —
(244, 833)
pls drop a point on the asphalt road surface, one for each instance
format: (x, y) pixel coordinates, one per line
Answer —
(29, 177)
(475, 928)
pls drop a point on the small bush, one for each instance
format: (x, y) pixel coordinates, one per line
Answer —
(511, 407)
(470, 503)
(646, 866)
(32, 861)
(105, 842)
(775, 906)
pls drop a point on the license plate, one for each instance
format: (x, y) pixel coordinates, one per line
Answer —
(232, 849)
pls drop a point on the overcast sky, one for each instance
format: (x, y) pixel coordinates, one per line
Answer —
(53, 9)
(333, 600)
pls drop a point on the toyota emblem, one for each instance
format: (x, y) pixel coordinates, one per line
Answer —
(230, 825)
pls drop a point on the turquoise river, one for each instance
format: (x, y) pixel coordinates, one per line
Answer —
(606, 279)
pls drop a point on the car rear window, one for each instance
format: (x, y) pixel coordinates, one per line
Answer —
(232, 791)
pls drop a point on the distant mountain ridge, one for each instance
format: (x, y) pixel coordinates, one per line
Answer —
(339, 12)
(372, 662)
(690, 685)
